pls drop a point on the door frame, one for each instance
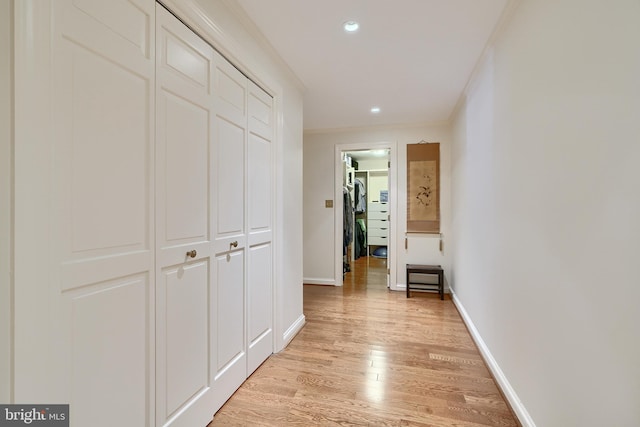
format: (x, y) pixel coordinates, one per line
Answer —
(338, 206)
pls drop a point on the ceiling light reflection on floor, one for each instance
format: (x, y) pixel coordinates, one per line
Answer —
(376, 384)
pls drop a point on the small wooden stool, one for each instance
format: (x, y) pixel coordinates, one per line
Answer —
(426, 269)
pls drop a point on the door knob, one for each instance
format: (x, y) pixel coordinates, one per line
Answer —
(192, 253)
(234, 244)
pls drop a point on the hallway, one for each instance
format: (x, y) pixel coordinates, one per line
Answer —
(366, 358)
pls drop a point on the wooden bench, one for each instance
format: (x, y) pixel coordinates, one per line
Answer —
(425, 269)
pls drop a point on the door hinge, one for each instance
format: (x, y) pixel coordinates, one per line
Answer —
(388, 271)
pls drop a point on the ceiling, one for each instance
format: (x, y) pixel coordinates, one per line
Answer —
(410, 58)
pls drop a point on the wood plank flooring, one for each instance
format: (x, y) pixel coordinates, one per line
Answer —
(368, 356)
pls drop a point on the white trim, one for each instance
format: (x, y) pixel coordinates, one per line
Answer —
(292, 331)
(337, 217)
(515, 402)
(316, 281)
(32, 187)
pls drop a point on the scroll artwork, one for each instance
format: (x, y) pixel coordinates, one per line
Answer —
(423, 188)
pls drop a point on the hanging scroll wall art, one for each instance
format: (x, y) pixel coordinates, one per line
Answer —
(423, 188)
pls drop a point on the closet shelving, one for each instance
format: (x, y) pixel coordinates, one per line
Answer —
(375, 216)
(377, 209)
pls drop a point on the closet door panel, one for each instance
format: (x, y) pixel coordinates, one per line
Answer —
(103, 112)
(231, 92)
(185, 300)
(230, 130)
(100, 289)
(185, 126)
(230, 88)
(127, 19)
(230, 311)
(119, 28)
(230, 178)
(230, 347)
(109, 210)
(260, 208)
(104, 355)
(260, 112)
(260, 305)
(260, 165)
(260, 185)
(185, 286)
(189, 63)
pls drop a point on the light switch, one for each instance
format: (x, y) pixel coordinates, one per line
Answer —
(328, 203)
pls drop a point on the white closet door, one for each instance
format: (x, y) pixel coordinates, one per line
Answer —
(102, 218)
(229, 360)
(185, 286)
(260, 208)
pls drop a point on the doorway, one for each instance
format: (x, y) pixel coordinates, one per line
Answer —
(364, 214)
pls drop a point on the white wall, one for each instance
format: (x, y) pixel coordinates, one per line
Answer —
(546, 209)
(319, 236)
(318, 232)
(243, 45)
(291, 251)
(5, 198)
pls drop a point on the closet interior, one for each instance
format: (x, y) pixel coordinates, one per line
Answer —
(365, 205)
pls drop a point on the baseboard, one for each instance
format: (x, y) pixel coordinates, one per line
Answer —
(313, 281)
(293, 330)
(508, 391)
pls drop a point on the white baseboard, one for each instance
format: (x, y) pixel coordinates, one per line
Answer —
(313, 281)
(501, 379)
(292, 331)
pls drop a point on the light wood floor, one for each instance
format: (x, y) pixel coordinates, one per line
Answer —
(368, 356)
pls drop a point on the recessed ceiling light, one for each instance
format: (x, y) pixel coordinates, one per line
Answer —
(375, 110)
(351, 26)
